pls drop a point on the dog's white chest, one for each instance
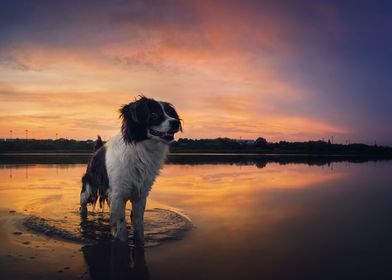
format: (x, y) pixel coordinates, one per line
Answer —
(132, 169)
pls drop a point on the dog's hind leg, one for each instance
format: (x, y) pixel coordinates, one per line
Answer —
(85, 197)
(117, 219)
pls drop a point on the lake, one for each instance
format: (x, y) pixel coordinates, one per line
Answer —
(209, 217)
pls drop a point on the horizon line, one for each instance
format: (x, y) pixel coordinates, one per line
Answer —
(5, 139)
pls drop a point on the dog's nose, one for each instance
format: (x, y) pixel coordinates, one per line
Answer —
(175, 125)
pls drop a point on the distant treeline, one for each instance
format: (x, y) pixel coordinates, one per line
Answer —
(261, 146)
(46, 145)
(219, 145)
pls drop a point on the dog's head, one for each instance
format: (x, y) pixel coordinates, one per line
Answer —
(146, 119)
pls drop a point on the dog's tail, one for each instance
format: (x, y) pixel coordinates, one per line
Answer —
(98, 143)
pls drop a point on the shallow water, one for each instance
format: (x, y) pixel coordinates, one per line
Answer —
(251, 219)
(159, 225)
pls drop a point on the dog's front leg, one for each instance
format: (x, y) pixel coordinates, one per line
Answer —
(117, 219)
(137, 217)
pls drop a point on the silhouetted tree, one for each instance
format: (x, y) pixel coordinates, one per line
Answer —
(261, 142)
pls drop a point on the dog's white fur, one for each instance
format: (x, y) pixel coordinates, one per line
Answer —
(132, 170)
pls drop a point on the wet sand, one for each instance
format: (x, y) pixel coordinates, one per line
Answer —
(28, 255)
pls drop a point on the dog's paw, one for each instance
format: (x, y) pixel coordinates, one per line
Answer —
(83, 210)
(138, 237)
(120, 233)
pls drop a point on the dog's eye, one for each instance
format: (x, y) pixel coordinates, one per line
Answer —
(154, 116)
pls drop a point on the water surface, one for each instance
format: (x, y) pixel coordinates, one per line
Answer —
(253, 218)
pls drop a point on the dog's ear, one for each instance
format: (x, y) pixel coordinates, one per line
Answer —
(137, 111)
(135, 117)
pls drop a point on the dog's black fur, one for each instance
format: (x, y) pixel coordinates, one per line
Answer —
(96, 174)
(141, 114)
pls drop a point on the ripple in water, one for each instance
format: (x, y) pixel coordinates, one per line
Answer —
(159, 225)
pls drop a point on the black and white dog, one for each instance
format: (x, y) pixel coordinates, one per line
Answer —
(126, 166)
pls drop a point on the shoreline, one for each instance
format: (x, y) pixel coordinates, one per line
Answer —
(260, 160)
(54, 153)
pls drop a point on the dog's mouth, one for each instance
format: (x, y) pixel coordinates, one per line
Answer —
(167, 136)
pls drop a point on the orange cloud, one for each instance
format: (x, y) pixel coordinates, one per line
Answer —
(223, 75)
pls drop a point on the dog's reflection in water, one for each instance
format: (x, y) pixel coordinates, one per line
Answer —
(115, 260)
(111, 259)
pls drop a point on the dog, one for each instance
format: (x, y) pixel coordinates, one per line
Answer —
(126, 166)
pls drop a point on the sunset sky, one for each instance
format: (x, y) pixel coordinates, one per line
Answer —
(283, 70)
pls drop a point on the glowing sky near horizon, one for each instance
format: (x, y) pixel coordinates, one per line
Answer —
(283, 70)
